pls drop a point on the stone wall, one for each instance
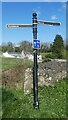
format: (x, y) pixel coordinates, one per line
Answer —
(48, 73)
(13, 78)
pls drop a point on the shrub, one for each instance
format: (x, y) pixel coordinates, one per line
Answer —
(49, 55)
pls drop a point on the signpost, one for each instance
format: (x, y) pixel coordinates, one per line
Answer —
(36, 46)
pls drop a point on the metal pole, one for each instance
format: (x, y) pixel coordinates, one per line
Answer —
(35, 69)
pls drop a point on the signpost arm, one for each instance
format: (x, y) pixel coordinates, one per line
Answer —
(35, 69)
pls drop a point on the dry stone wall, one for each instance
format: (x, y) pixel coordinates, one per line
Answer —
(48, 73)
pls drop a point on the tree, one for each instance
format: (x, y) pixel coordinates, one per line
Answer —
(44, 47)
(10, 47)
(4, 47)
(66, 47)
(26, 46)
(17, 49)
(58, 46)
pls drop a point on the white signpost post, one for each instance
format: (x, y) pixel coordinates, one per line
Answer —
(36, 46)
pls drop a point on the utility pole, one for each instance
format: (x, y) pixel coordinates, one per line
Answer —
(36, 46)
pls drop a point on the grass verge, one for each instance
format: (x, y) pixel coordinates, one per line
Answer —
(52, 102)
(9, 63)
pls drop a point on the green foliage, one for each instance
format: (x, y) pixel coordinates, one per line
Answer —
(44, 48)
(66, 54)
(47, 56)
(66, 47)
(10, 47)
(26, 46)
(4, 49)
(58, 46)
(17, 49)
(52, 102)
(0, 63)
(7, 47)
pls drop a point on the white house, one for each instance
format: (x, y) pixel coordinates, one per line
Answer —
(39, 58)
(23, 55)
(8, 55)
(11, 55)
(30, 56)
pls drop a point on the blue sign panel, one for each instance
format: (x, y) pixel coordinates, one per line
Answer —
(36, 44)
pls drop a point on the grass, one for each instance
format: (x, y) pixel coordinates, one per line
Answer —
(0, 63)
(52, 99)
(64, 53)
(46, 53)
(52, 102)
(9, 63)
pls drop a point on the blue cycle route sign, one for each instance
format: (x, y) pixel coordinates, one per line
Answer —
(36, 44)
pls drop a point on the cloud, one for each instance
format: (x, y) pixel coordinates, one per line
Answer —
(53, 17)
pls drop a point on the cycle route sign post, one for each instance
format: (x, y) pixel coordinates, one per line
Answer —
(36, 46)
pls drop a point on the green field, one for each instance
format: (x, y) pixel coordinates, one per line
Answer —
(52, 103)
(10, 63)
(52, 99)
